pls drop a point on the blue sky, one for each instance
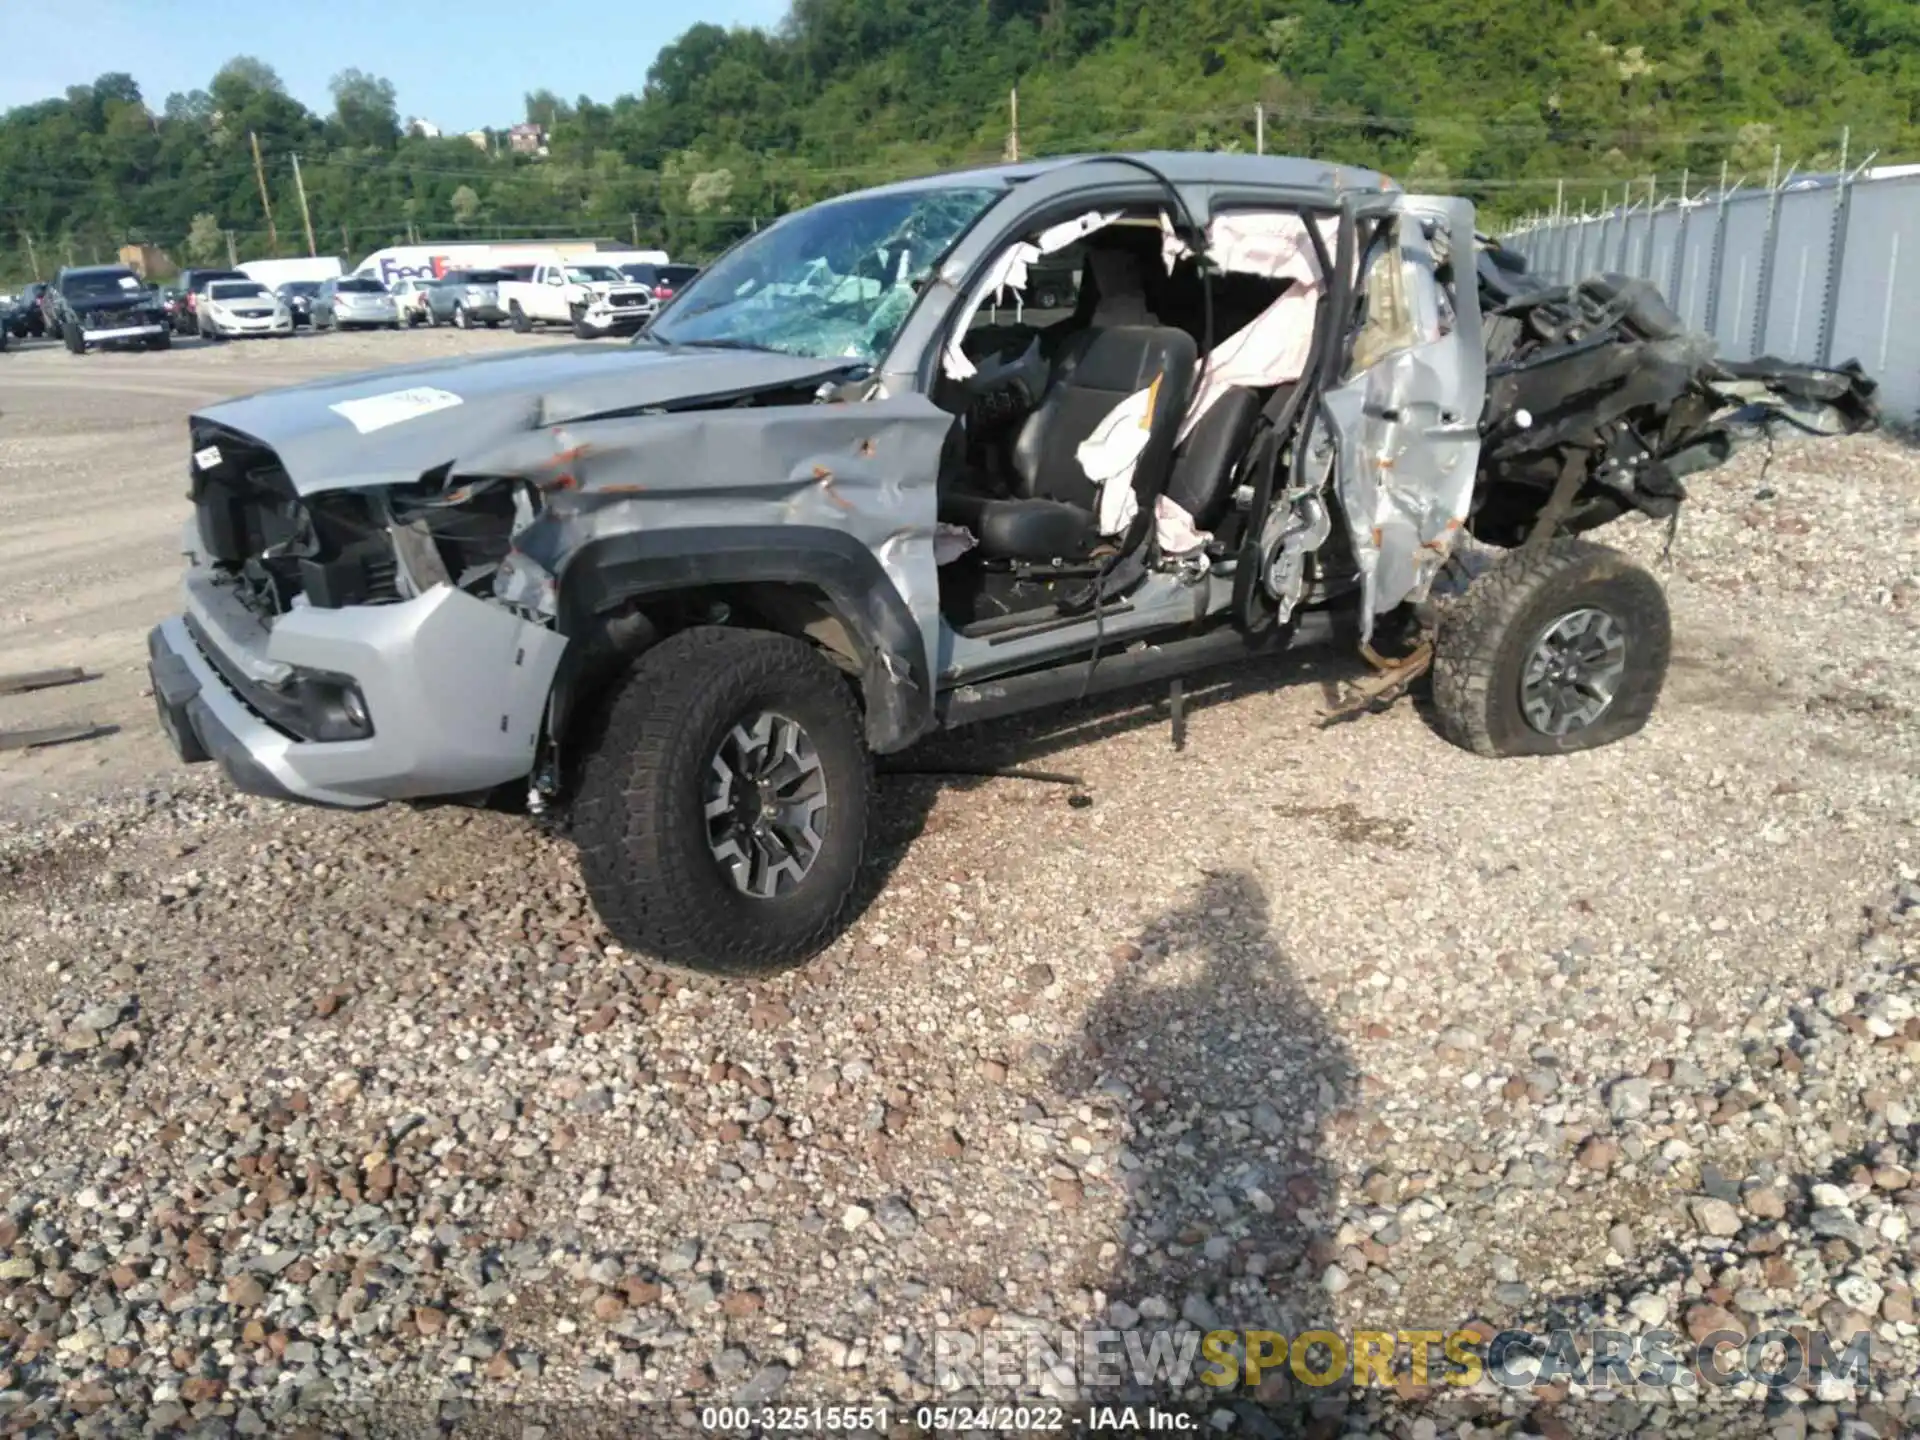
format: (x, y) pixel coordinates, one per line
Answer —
(460, 65)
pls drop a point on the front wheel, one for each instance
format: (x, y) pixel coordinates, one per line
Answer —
(722, 806)
(460, 318)
(1551, 651)
(74, 339)
(521, 324)
(162, 341)
(582, 330)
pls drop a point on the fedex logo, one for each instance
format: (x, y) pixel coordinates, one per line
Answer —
(392, 270)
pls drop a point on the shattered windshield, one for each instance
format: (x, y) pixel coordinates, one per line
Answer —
(833, 281)
(92, 285)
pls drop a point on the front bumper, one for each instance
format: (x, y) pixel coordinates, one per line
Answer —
(615, 320)
(142, 331)
(255, 325)
(456, 688)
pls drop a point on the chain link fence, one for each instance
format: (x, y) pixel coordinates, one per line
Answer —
(1811, 271)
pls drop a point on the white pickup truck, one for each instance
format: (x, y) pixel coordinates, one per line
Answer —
(594, 299)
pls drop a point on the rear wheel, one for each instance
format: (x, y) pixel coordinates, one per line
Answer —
(1552, 651)
(162, 341)
(461, 320)
(75, 341)
(722, 810)
(521, 323)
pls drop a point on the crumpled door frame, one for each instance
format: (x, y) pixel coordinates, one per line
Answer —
(1407, 428)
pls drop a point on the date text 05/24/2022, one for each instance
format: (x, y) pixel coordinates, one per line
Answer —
(943, 1419)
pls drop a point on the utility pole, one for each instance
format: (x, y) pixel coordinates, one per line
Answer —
(306, 219)
(33, 260)
(233, 259)
(1259, 129)
(1013, 123)
(1560, 200)
(346, 245)
(633, 219)
(260, 174)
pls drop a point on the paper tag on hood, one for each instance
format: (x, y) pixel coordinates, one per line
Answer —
(376, 412)
(208, 458)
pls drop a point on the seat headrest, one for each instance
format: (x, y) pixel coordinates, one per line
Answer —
(1127, 358)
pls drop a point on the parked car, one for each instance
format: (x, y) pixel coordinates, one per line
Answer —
(298, 296)
(686, 587)
(171, 299)
(410, 300)
(466, 298)
(106, 305)
(186, 316)
(592, 299)
(232, 308)
(354, 301)
(661, 281)
(28, 317)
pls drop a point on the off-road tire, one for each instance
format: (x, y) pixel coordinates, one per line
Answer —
(72, 338)
(638, 812)
(521, 324)
(1485, 637)
(581, 331)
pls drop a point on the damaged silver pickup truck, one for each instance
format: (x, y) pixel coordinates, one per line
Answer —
(853, 485)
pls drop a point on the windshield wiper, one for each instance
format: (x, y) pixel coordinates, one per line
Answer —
(722, 345)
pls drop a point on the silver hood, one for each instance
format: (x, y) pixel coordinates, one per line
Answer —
(389, 427)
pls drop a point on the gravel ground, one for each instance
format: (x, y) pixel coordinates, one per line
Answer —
(364, 1115)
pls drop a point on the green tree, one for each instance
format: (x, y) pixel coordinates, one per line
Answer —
(365, 115)
(206, 241)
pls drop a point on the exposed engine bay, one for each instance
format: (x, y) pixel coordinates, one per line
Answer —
(1601, 381)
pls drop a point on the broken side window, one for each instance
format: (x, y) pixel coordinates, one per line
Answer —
(1389, 322)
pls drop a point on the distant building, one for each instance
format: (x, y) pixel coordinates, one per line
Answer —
(479, 139)
(527, 139)
(146, 261)
(425, 129)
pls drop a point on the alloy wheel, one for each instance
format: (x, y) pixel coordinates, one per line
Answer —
(1573, 671)
(766, 805)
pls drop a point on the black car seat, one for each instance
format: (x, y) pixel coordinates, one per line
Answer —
(1053, 513)
(1203, 466)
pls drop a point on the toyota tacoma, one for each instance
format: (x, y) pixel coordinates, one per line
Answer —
(850, 488)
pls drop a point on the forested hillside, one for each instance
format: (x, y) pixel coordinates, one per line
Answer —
(1492, 97)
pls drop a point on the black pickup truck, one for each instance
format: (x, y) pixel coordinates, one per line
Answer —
(107, 305)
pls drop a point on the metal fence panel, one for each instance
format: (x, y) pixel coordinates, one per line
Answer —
(1689, 297)
(1740, 263)
(1799, 273)
(1877, 319)
(1661, 245)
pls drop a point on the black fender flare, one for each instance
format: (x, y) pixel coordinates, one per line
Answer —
(605, 572)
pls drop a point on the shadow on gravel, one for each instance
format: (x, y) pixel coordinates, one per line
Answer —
(909, 783)
(1227, 1078)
